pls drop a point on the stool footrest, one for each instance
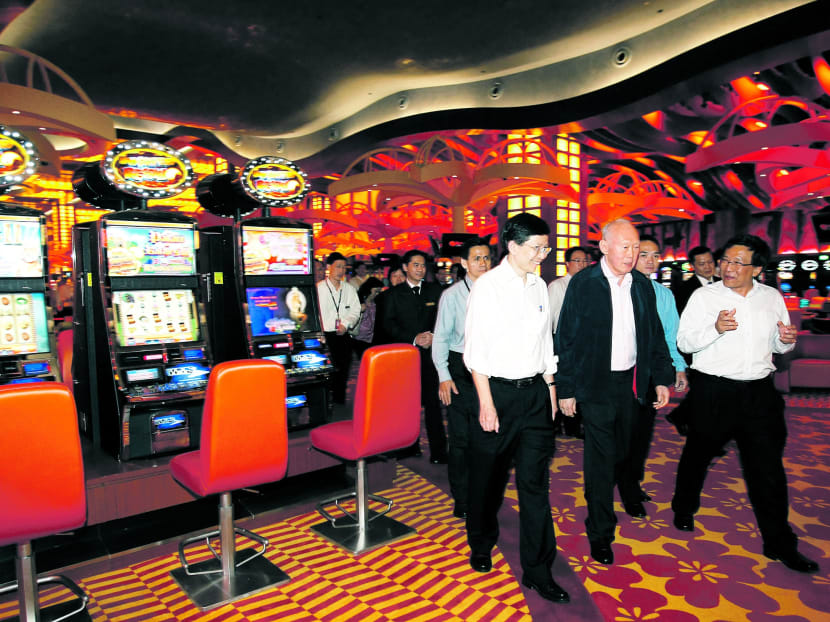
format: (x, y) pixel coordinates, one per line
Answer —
(338, 521)
(74, 609)
(356, 539)
(206, 537)
(208, 588)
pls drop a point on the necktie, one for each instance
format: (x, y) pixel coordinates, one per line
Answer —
(417, 290)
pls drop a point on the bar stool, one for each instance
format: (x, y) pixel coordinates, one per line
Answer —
(64, 347)
(42, 485)
(244, 442)
(387, 416)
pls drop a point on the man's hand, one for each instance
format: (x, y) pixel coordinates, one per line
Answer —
(553, 404)
(488, 418)
(787, 333)
(662, 396)
(445, 391)
(681, 383)
(568, 406)
(424, 339)
(726, 321)
(341, 328)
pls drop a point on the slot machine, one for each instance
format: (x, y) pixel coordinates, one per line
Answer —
(27, 341)
(141, 347)
(261, 290)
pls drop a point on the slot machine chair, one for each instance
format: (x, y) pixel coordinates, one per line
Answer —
(244, 442)
(387, 417)
(40, 497)
(64, 341)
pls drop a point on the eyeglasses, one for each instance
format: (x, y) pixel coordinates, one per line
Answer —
(586, 261)
(737, 264)
(544, 250)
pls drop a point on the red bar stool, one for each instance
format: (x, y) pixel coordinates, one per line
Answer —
(42, 487)
(387, 416)
(244, 442)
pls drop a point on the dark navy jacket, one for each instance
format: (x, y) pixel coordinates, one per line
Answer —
(583, 338)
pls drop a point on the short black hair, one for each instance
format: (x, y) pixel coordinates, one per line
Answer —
(522, 227)
(408, 255)
(570, 252)
(366, 288)
(698, 250)
(471, 243)
(335, 256)
(760, 249)
(646, 237)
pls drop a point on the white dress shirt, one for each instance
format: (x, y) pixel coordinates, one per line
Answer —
(338, 303)
(556, 293)
(705, 281)
(508, 325)
(741, 354)
(623, 328)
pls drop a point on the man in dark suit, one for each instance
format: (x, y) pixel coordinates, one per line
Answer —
(408, 316)
(610, 344)
(703, 264)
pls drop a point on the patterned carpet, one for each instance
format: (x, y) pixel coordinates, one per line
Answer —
(716, 573)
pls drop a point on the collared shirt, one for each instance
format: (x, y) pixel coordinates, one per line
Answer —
(741, 354)
(508, 329)
(667, 311)
(556, 293)
(342, 304)
(623, 329)
(704, 281)
(449, 327)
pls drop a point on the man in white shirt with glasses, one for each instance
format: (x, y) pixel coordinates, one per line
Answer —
(732, 329)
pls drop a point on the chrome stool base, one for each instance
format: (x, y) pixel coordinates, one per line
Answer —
(346, 533)
(253, 573)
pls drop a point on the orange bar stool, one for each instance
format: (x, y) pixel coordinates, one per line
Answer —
(42, 487)
(244, 442)
(387, 416)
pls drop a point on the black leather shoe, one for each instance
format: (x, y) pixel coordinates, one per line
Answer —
(793, 560)
(635, 509)
(602, 553)
(644, 496)
(459, 512)
(481, 562)
(684, 522)
(438, 460)
(550, 591)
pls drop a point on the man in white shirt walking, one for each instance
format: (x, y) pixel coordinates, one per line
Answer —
(509, 352)
(340, 311)
(732, 328)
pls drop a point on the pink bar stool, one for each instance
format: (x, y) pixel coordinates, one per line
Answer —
(387, 416)
(42, 487)
(244, 442)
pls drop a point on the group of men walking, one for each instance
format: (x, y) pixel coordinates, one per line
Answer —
(492, 361)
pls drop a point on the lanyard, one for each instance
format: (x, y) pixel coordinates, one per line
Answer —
(339, 298)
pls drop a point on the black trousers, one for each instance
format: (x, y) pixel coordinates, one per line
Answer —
(340, 349)
(433, 420)
(525, 436)
(608, 421)
(752, 413)
(641, 436)
(461, 414)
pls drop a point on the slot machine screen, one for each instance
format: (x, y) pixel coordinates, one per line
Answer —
(23, 327)
(281, 310)
(276, 251)
(21, 248)
(144, 317)
(145, 249)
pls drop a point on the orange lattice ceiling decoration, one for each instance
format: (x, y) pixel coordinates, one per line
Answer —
(630, 194)
(787, 139)
(415, 195)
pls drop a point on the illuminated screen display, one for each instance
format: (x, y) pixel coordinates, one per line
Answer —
(271, 250)
(155, 316)
(142, 375)
(280, 310)
(21, 251)
(23, 328)
(144, 249)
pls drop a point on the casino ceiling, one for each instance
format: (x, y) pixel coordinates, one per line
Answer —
(722, 103)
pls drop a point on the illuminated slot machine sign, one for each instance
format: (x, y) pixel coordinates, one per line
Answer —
(273, 251)
(23, 325)
(21, 247)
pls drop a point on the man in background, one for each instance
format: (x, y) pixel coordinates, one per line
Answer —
(455, 389)
(340, 311)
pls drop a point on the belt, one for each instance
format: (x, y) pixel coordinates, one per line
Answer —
(519, 383)
(623, 372)
(726, 380)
